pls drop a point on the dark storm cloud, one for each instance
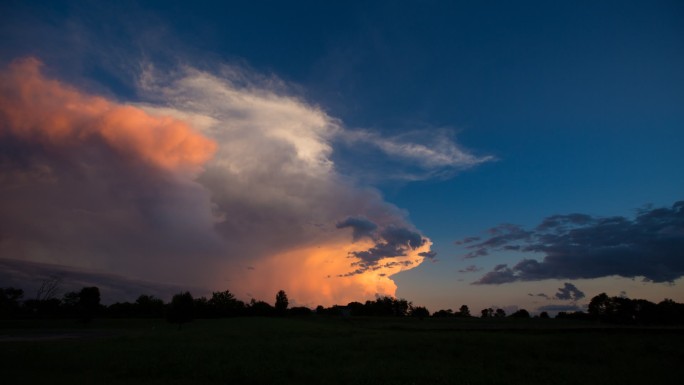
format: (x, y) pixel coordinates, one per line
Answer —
(364, 267)
(501, 274)
(580, 246)
(401, 237)
(391, 241)
(361, 227)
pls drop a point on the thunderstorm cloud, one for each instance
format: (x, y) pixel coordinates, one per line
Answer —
(216, 179)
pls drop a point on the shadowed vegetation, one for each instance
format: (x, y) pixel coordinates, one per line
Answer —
(384, 341)
(332, 350)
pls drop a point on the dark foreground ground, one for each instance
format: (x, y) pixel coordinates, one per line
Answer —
(319, 350)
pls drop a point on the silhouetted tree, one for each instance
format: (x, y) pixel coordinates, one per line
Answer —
(281, 302)
(181, 309)
(356, 308)
(500, 313)
(149, 306)
(544, 315)
(46, 304)
(419, 312)
(387, 306)
(670, 312)
(600, 306)
(42, 308)
(575, 315)
(202, 308)
(299, 311)
(624, 310)
(224, 304)
(260, 308)
(520, 313)
(123, 310)
(70, 304)
(463, 311)
(48, 288)
(89, 303)
(487, 313)
(9, 301)
(443, 313)
(612, 309)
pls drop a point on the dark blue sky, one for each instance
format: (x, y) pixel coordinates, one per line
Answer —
(580, 103)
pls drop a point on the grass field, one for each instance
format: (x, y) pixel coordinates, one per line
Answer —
(319, 350)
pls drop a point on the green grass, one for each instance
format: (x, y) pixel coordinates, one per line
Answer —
(337, 351)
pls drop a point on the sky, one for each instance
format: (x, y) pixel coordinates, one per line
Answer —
(494, 154)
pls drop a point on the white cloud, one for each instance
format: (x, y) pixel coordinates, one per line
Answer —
(431, 149)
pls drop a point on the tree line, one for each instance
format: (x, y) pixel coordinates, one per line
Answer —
(183, 307)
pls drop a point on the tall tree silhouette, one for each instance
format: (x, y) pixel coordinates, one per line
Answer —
(281, 302)
(89, 302)
(181, 308)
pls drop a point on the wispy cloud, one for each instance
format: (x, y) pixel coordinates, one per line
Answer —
(470, 269)
(413, 155)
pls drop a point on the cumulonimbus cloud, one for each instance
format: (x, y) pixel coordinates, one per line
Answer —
(209, 179)
(582, 246)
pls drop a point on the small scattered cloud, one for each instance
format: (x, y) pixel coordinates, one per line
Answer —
(467, 240)
(429, 254)
(569, 292)
(581, 246)
(470, 269)
(539, 295)
(559, 308)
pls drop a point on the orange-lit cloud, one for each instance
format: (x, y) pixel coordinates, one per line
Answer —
(40, 110)
(92, 183)
(319, 274)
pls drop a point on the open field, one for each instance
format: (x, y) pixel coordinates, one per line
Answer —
(318, 350)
